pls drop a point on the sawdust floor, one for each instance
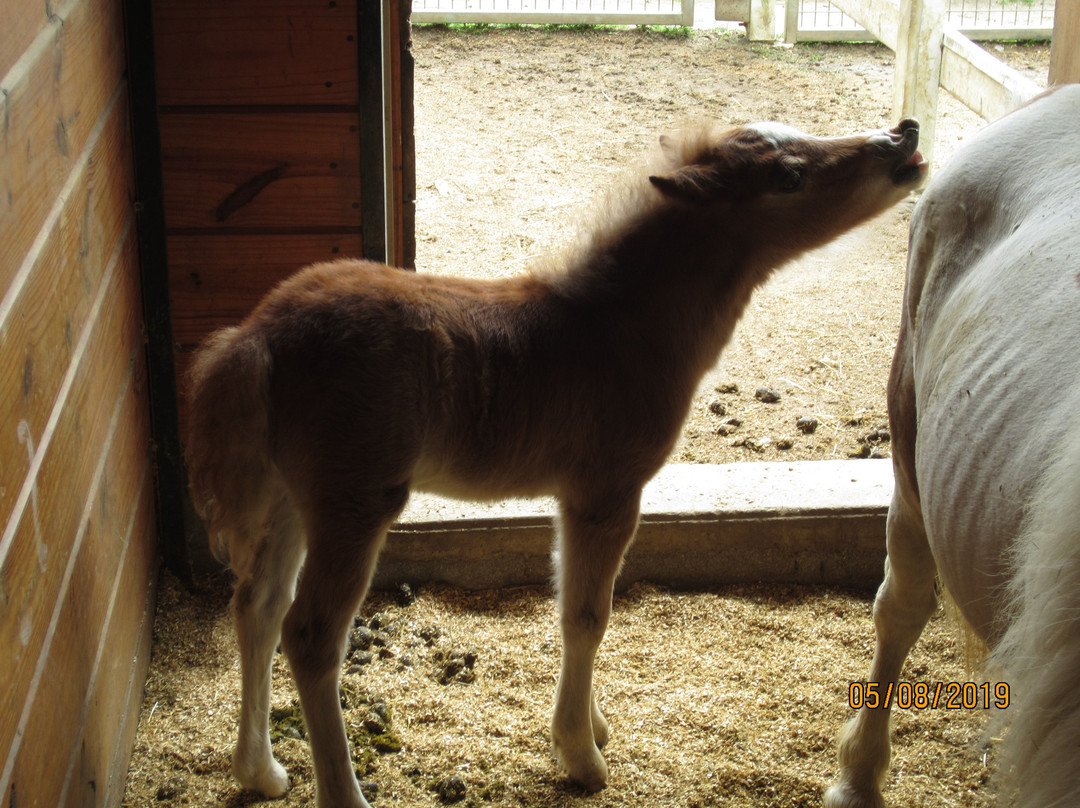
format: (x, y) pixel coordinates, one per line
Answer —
(731, 697)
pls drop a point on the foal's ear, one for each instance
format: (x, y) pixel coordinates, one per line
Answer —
(697, 184)
(668, 146)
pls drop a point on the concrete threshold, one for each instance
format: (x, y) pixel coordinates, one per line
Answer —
(814, 522)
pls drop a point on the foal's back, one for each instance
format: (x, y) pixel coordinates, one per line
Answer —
(473, 388)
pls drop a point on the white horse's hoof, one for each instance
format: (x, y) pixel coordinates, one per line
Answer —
(844, 795)
(270, 780)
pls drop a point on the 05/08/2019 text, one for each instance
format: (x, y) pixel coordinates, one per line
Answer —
(929, 695)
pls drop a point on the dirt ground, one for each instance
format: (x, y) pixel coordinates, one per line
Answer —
(731, 697)
(518, 130)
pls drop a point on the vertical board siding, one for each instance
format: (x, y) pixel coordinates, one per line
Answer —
(77, 539)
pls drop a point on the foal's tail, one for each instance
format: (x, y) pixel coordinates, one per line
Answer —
(1040, 651)
(228, 438)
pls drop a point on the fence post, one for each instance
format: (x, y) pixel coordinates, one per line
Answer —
(1065, 46)
(918, 67)
(760, 27)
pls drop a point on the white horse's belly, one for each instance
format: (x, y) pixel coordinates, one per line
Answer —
(992, 404)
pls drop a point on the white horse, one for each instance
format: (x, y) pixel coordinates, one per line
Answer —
(983, 400)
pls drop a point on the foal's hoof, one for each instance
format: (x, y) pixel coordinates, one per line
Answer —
(588, 769)
(269, 780)
(844, 795)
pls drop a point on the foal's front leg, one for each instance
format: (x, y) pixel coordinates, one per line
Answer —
(593, 537)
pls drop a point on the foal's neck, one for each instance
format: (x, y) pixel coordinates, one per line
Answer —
(669, 275)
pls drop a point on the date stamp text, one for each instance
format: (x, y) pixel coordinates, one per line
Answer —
(929, 695)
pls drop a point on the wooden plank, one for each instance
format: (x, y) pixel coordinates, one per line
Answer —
(127, 719)
(87, 611)
(43, 536)
(262, 170)
(879, 17)
(51, 106)
(986, 85)
(1065, 46)
(918, 69)
(43, 318)
(23, 21)
(216, 281)
(255, 52)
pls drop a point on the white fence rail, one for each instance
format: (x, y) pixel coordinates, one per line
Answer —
(563, 12)
(824, 21)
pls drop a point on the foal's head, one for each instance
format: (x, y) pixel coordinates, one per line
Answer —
(790, 190)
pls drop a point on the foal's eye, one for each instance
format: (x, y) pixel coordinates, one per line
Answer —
(793, 180)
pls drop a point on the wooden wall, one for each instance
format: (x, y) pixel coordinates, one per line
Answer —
(267, 141)
(77, 552)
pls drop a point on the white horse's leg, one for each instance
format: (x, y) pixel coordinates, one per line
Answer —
(904, 603)
(343, 546)
(266, 581)
(592, 543)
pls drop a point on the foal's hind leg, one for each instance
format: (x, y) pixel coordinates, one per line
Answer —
(593, 538)
(344, 539)
(904, 603)
(266, 578)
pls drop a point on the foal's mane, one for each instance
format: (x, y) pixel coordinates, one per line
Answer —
(579, 265)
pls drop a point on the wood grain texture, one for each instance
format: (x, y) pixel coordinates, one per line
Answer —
(44, 535)
(1065, 47)
(23, 20)
(261, 170)
(97, 617)
(216, 281)
(51, 109)
(255, 52)
(43, 321)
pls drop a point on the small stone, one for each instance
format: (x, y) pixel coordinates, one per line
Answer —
(170, 789)
(728, 425)
(717, 407)
(380, 639)
(807, 424)
(378, 620)
(369, 789)
(429, 634)
(356, 670)
(878, 436)
(727, 388)
(360, 637)
(405, 595)
(450, 789)
(374, 723)
(450, 670)
(784, 444)
(381, 709)
(469, 658)
(766, 395)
